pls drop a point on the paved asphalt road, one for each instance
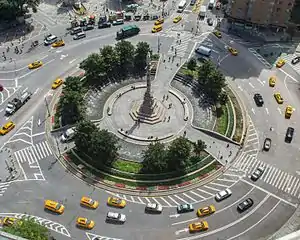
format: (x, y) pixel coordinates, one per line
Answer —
(275, 195)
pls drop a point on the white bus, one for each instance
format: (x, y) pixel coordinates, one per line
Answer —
(181, 6)
(211, 4)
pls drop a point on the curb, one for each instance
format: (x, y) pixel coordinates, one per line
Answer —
(138, 190)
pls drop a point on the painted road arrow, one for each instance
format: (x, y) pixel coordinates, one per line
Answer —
(174, 216)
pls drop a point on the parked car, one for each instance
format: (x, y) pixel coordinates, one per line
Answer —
(88, 27)
(258, 99)
(104, 25)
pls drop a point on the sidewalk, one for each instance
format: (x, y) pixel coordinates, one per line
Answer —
(9, 169)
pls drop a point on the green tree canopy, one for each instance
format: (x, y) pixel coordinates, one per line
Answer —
(71, 102)
(199, 147)
(110, 61)
(140, 57)
(155, 160)
(211, 80)
(179, 153)
(100, 145)
(28, 228)
(192, 64)
(125, 51)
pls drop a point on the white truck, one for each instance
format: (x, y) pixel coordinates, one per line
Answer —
(17, 103)
(203, 51)
(202, 13)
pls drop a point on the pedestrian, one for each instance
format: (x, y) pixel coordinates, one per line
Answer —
(228, 145)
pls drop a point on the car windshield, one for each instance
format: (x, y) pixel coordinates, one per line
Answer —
(58, 206)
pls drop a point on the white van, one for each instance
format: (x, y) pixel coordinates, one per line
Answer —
(50, 39)
(79, 35)
(203, 51)
(68, 135)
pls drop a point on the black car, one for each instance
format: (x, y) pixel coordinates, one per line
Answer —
(289, 134)
(257, 173)
(104, 25)
(88, 27)
(203, 59)
(258, 99)
(243, 206)
(210, 22)
(267, 144)
(296, 60)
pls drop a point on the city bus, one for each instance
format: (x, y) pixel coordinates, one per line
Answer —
(181, 6)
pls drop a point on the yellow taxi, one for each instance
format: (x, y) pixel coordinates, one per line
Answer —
(7, 128)
(156, 28)
(54, 206)
(35, 64)
(280, 63)
(288, 112)
(198, 226)
(88, 202)
(206, 211)
(278, 97)
(272, 81)
(159, 21)
(85, 223)
(8, 221)
(177, 19)
(116, 202)
(57, 83)
(217, 34)
(233, 51)
(58, 43)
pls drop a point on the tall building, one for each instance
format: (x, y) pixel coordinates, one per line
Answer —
(261, 12)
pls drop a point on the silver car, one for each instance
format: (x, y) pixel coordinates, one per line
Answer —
(115, 217)
(223, 195)
(153, 208)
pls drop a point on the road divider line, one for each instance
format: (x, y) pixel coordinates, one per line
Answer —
(230, 224)
(32, 71)
(72, 61)
(254, 225)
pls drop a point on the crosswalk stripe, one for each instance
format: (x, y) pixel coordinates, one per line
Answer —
(273, 180)
(23, 158)
(17, 156)
(196, 194)
(173, 200)
(26, 155)
(248, 162)
(36, 153)
(240, 158)
(189, 197)
(243, 161)
(30, 155)
(180, 199)
(48, 147)
(272, 171)
(147, 200)
(226, 180)
(282, 180)
(124, 197)
(215, 189)
(132, 199)
(45, 148)
(166, 201)
(294, 192)
(254, 166)
(290, 185)
(286, 183)
(295, 186)
(205, 192)
(40, 153)
(267, 172)
(156, 201)
(229, 174)
(42, 149)
(140, 200)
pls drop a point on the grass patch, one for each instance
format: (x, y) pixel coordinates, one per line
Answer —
(222, 121)
(239, 117)
(127, 166)
(231, 120)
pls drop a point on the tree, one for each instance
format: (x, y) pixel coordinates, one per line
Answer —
(109, 61)
(192, 64)
(295, 15)
(83, 135)
(155, 160)
(178, 154)
(94, 69)
(199, 147)
(140, 57)
(71, 102)
(125, 52)
(28, 228)
(211, 81)
(104, 146)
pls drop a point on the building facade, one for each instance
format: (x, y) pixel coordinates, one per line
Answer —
(263, 13)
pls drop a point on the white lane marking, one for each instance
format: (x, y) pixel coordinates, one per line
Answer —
(251, 84)
(262, 219)
(189, 197)
(269, 193)
(230, 224)
(72, 61)
(267, 111)
(279, 110)
(296, 186)
(22, 169)
(166, 201)
(218, 184)
(290, 186)
(252, 109)
(193, 50)
(173, 200)
(239, 87)
(215, 189)
(147, 200)
(280, 175)
(180, 199)
(182, 230)
(196, 194)
(290, 76)
(261, 82)
(34, 70)
(227, 180)
(140, 200)
(156, 201)
(35, 92)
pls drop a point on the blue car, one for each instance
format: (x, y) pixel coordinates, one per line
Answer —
(183, 208)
